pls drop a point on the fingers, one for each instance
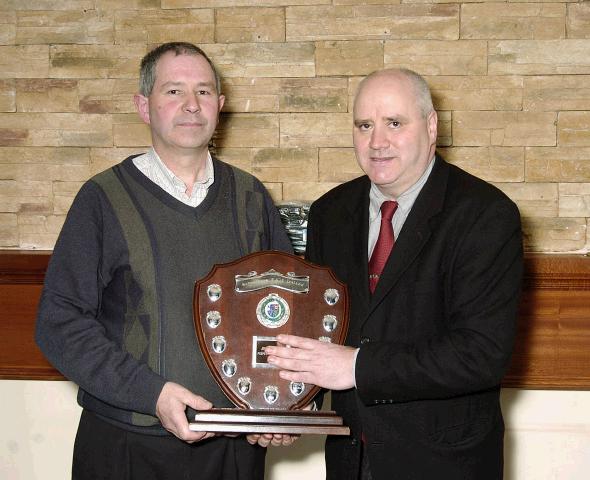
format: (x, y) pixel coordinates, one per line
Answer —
(171, 407)
(276, 439)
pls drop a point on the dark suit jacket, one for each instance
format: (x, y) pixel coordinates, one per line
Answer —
(436, 336)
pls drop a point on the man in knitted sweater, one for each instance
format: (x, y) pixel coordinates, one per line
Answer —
(116, 311)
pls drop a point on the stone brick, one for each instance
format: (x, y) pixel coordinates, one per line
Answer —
(251, 94)
(47, 5)
(376, 2)
(573, 129)
(24, 61)
(494, 164)
(103, 158)
(275, 191)
(460, 57)
(78, 26)
(247, 130)
(27, 205)
(369, 22)
(66, 189)
(348, 58)
(39, 231)
(313, 95)
(578, 20)
(235, 3)
(505, 21)
(286, 164)
(25, 188)
(305, 192)
(46, 95)
(561, 164)
(107, 95)
(338, 165)
(55, 129)
(506, 129)
(45, 155)
(554, 93)
(31, 172)
(95, 61)
(8, 230)
(114, 5)
(574, 200)
(238, 157)
(7, 95)
(539, 57)
(263, 59)
(316, 130)
(554, 234)
(130, 131)
(444, 136)
(476, 92)
(7, 27)
(159, 26)
(240, 25)
(63, 196)
(533, 199)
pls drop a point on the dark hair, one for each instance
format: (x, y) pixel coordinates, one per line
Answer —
(147, 71)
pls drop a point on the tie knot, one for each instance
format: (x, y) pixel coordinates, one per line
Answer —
(388, 208)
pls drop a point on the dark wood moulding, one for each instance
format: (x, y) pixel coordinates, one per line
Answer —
(552, 348)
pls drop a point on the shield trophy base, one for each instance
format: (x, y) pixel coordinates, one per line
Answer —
(231, 420)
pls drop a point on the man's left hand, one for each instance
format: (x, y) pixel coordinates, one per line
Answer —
(313, 362)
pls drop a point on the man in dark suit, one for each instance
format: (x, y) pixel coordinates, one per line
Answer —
(432, 328)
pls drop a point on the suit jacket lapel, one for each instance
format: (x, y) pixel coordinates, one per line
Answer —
(415, 232)
(355, 236)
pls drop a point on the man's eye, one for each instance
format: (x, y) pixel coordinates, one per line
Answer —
(395, 124)
(364, 126)
(173, 91)
(204, 92)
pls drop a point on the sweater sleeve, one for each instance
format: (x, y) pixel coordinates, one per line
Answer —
(88, 259)
(277, 234)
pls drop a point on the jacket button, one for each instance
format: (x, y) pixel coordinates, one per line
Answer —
(365, 340)
(354, 442)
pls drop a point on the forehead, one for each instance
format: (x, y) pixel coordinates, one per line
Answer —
(171, 67)
(385, 92)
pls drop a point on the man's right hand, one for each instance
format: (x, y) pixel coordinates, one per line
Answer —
(171, 410)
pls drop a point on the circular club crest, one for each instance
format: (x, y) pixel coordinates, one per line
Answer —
(273, 311)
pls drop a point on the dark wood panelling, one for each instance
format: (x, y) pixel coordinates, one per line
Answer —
(553, 344)
(552, 348)
(21, 281)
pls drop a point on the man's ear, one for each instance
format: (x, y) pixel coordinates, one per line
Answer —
(432, 125)
(142, 106)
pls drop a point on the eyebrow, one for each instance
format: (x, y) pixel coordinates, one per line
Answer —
(172, 83)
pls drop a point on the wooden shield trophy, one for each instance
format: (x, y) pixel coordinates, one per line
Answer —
(240, 308)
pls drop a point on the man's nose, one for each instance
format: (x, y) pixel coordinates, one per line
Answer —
(378, 138)
(191, 103)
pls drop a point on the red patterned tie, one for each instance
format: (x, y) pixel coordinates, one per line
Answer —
(384, 244)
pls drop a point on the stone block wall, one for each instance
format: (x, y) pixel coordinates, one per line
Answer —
(511, 81)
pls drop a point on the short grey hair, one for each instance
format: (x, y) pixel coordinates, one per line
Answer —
(421, 88)
(147, 71)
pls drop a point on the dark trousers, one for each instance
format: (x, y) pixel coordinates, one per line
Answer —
(365, 473)
(106, 452)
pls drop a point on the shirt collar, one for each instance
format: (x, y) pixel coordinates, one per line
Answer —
(176, 182)
(405, 201)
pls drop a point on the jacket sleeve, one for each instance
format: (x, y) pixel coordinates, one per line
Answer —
(88, 255)
(472, 349)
